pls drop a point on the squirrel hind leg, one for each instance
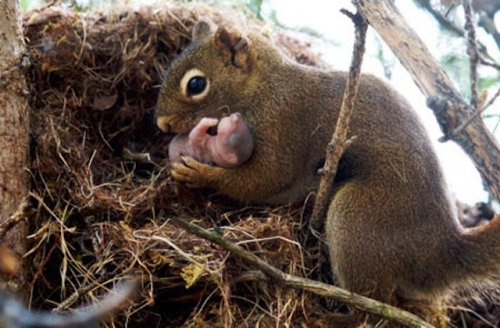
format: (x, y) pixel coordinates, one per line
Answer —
(481, 251)
(431, 312)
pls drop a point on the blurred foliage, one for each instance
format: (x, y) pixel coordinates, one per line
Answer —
(29, 4)
(254, 6)
(449, 17)
(385, 57)
(457, 67)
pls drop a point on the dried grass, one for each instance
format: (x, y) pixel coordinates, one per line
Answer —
(99, 178)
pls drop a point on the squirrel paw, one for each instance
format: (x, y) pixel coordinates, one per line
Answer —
(194, 173)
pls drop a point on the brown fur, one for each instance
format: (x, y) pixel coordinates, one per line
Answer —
(391, 228)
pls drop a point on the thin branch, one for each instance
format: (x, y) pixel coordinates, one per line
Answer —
(337, 145)
(444, 22)
(488, 24)
(375, 307)
(488, 63)
(442, 19)
(449, 107)
(14, 219)
(492, 100)
(471, 51)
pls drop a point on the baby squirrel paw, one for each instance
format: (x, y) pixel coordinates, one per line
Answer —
(194, 173)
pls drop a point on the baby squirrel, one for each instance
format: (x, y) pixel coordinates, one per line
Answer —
(231, 146)
(391, 228)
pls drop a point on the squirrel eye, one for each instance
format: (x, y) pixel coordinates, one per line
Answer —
(194, 84)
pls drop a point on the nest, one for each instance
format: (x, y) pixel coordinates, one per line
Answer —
(103, 195)
(100, 179)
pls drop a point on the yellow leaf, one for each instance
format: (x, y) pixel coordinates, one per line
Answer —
(191, 273)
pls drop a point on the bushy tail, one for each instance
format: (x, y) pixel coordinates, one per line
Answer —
(90, 316)
(479, 253)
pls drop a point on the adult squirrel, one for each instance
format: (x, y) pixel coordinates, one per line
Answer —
(391, 228)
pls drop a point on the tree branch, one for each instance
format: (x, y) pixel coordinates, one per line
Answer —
(375, 307)
(444, 22)
(337, 145)
(458, 121)
(471, 51)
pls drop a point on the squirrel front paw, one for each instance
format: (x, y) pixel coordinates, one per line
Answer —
(195, 174)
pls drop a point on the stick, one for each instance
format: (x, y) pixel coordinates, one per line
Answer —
(364, 303)
(338, 144)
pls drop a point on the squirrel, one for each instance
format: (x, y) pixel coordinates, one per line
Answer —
(230, 146)
(391, 229)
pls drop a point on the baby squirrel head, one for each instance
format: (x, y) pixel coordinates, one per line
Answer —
(206, 80)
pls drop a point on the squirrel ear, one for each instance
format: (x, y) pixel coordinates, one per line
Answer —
(237, 44)
(203, 28)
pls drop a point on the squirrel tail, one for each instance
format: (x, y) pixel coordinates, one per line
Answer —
(481, 250)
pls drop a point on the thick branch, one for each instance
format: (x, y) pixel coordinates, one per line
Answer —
(457, 119)
(338, 143)
(319, 288)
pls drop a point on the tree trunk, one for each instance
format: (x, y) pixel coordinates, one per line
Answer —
(457, 119)
(14, 134)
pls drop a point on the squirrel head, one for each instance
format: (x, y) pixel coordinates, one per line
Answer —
(207, 79)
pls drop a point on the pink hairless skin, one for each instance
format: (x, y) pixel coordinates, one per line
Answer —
(229, 148)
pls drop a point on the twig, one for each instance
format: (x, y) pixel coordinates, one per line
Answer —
(463, 125)
(338, 143)
(492, 100)
(76, 295)
(471, 51)
(375, 307)
(442, 19)
(450, 26)
(486, 21)
(485, 62)
(14, 219)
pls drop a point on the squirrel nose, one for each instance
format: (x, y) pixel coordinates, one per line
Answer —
(162, 123)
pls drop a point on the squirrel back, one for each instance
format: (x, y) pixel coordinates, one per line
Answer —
(391, 227)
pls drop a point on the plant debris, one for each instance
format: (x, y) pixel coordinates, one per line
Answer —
(100, 177)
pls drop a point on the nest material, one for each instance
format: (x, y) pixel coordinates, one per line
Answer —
(100, 180)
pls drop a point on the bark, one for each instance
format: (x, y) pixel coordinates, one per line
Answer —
(14, 127)
(458, 121)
